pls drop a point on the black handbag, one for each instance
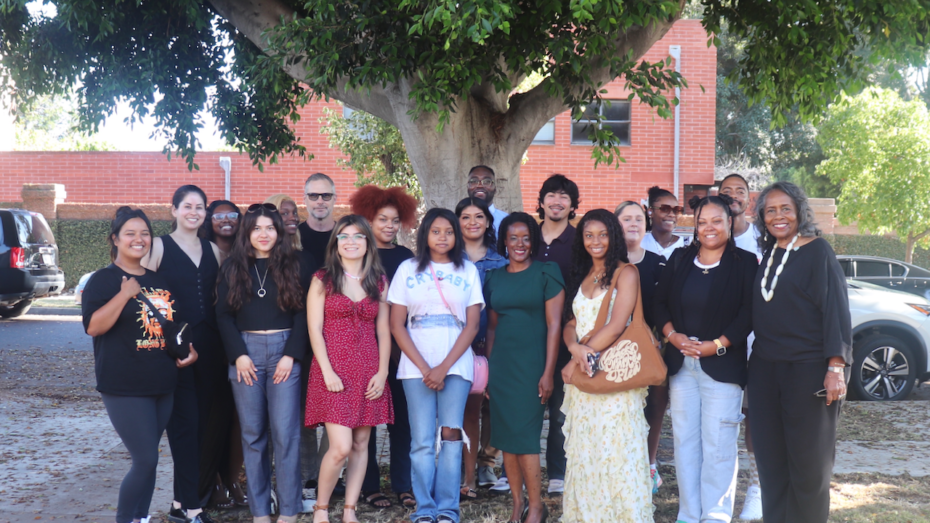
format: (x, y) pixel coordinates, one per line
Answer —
(177, 335)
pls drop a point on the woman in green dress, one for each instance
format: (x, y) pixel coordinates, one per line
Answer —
(524, 303)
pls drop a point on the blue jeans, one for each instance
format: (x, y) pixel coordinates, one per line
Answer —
(263, 404)
(705, 423)
(436, 483)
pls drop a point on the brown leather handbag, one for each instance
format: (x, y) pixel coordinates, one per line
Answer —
(631, 362)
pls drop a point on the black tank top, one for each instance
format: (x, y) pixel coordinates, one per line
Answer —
(193, 288)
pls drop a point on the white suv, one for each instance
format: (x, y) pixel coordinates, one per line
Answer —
(891, 341)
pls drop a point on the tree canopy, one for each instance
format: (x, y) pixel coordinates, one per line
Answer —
(878, 150)
(442, 72)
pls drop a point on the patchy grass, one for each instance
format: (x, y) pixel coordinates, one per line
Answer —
(861, 421)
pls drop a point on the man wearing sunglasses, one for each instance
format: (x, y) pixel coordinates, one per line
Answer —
(482, 185)
(320, 199)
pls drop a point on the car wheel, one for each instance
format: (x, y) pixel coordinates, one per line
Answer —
(884, 369)
(15, 311)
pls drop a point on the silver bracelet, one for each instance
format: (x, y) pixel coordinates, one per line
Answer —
(835, 368)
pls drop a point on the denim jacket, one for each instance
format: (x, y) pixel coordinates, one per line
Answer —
(491, 260)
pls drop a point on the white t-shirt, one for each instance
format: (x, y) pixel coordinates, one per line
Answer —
(650, 244)
(431, 326)
(748, 241)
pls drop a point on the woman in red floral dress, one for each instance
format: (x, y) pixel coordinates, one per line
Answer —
(348, 315)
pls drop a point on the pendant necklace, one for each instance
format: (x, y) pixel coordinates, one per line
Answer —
(768, 294)
(599, 276)
(261, 282)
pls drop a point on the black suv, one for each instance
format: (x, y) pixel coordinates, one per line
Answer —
(28, 261)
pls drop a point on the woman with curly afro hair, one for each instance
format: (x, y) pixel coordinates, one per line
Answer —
(607, 461)
(389, 210)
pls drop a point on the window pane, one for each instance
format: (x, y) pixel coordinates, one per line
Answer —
(590, 112)
(581, 132)
(897, 270)
(546, 134)
(847, 268)
(868, 268)
(618, 111)
(621, 131)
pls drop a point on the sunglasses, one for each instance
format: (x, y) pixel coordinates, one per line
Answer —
(314, 196)
(218, 217)
(255, 207)
(678, 209)
(487, 182)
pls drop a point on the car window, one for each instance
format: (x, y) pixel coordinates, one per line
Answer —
(872, 268)
(897, 270)
(846, 265)
(31, 228)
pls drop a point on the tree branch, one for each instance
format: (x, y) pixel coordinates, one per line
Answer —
(922, 235)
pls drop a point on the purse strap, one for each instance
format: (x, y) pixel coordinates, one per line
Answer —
(603, 311)
(155, 311)
(439, 288)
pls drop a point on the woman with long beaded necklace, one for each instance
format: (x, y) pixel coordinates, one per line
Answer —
(797, 378)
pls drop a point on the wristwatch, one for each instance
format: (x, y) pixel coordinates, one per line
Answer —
(836, 368)
(721, 350)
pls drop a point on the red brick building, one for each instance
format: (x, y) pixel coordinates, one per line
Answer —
(147, 177)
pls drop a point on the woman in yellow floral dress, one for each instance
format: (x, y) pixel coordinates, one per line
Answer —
(607, 470)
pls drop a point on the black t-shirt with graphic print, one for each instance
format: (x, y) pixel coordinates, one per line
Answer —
(130, 359)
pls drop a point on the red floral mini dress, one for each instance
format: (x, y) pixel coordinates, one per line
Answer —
(352, 347)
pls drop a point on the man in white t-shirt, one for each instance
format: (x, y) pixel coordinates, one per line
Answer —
(483, 185)
(745, 236)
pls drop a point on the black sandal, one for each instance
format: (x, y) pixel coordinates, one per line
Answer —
(466, 493)
(374, 498)
(407, 500)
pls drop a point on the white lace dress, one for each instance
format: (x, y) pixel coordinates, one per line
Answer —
(607, 471)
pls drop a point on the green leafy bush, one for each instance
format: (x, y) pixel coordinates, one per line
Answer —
(83, 247)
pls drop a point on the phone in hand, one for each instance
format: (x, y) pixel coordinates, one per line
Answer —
(593, 359)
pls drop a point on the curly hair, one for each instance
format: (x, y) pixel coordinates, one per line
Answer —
(807, 227)
(206, 229)
(283, 264)
(490, 236)
(513, 219)
(369, 199)
(371, 264)
(582, 261)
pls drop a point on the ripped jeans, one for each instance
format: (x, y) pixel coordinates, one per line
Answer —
(705, 422)
(436, 482)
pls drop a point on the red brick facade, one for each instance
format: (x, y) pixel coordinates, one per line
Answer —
(143, 177)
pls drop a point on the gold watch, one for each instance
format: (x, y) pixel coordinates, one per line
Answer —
(721, 350)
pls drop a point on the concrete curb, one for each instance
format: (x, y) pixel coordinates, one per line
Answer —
(54, 311)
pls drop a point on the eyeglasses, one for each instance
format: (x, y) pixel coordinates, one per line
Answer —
(218, 217)
(678, 209)
(358, 237)
(474, 182)
(255, 207)
(314, 196)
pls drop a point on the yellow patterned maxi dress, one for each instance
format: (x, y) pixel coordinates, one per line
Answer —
(607, 471)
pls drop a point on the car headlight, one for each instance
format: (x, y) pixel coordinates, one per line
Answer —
(923, 309)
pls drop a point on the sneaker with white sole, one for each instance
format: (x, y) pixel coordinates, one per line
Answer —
(556, 486)
(486, 476)
(307, 499)
(656, 480)
(501, 485)
(752, 506)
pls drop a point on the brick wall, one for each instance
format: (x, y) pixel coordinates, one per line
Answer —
(148, 177)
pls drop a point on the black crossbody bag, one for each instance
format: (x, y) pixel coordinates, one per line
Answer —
(177, 335)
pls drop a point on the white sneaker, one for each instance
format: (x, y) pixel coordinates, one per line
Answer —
(308, 499)
(752, 506)
(556, 486)
(486, 476)
(502, 485)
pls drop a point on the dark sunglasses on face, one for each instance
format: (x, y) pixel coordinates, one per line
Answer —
(314, 196)
(267, 206)
(218, 217)
(678, 209)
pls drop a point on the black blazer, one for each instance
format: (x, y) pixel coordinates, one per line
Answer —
(728, 312)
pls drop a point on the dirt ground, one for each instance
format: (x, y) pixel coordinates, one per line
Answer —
(57, 442)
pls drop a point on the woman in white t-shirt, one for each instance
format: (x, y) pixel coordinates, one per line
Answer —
(436, 303)
(663, 218)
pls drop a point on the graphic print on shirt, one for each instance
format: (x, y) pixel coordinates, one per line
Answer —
(155, 338)
(438, 316)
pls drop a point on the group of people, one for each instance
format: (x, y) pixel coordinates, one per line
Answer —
(297, 325)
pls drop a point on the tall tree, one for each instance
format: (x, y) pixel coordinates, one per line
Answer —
(878, 151)
(442, 72)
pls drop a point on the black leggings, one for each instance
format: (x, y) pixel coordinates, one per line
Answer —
(140, 422)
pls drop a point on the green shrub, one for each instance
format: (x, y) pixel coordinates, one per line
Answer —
(876, 246)
(83, 247)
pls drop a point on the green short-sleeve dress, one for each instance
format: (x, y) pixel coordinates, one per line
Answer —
(518, 357)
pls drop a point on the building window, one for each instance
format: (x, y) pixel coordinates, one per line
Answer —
(546, 135)
(369, 136)
(616, 117)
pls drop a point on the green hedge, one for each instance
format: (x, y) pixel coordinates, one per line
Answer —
(83, 247)
(876, 246)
